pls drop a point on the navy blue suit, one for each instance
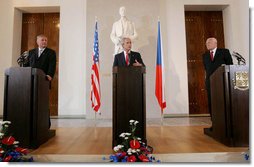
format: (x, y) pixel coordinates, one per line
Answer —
(120, 59)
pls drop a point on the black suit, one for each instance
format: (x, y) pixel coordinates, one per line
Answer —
(120, 59)
(222, 56)
(46, 62)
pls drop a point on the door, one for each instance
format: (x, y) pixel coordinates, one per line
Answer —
(34, 24)
(200, 25)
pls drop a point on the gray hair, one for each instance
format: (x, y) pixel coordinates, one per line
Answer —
(211, 39)
(123, 40)
(41, 36)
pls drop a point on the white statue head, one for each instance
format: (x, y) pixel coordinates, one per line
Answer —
(122, 11)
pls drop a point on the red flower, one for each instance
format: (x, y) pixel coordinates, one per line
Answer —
(8, 140)
(131, 158)
(123, 154)
(21, 150)
(7, 159)
(134, 144)
(143, 158)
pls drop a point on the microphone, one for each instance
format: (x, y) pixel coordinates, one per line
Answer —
(239, 57)
(23, 58)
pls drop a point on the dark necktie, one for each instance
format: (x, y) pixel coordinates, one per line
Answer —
(211, 55)
(127, 59)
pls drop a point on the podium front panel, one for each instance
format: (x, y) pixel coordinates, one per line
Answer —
(128, 101)
(230, 105)
(26, 105)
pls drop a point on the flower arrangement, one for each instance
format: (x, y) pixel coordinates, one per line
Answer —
(132, 148)
(9, 149)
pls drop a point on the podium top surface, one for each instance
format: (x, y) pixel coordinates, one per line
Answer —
(33, 70)
(130, 68)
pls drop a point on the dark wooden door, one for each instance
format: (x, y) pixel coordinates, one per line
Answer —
(200, 26)
(34, 24)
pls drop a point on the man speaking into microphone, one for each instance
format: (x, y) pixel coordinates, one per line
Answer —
(127, 57)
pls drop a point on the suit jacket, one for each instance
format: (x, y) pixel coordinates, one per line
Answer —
(222, 56)
(120, 59)
(46, 62)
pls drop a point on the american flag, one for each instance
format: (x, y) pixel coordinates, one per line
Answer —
(95, 77)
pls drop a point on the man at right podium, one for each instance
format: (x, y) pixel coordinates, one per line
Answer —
(127, 57)
(213, 59)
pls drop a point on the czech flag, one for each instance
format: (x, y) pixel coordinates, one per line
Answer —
(160, 78)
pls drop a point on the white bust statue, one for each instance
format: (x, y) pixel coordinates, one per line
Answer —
(122, 28)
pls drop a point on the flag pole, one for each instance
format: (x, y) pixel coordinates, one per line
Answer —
(161, 116)
(95, 113)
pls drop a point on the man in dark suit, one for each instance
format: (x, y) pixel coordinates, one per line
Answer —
(42, 57)
(213, 59)
(127, 57)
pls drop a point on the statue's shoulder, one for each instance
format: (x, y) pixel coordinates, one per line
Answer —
(117, 22)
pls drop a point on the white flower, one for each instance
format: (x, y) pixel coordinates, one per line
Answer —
(128, 134)
(129, 153)
(136, 122)
(133, 151)
(122, 135)
(129, 150)
(139, 138)
(6, 125)
(131, 121)
(2, 151)
(116, 148)
(138, 150)
(1, 134)
(16, 142)
(126, 138)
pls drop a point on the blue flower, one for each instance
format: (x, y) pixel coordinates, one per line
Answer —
(30, 159)
(113, 158)
(246, 156)
(125, 159)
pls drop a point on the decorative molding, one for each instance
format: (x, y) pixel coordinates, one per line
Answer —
(68, 117)
(185, 115)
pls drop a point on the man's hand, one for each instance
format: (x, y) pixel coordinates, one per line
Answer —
(49, 77)
(137, 63)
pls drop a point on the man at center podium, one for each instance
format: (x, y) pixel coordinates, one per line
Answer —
(212, 59)
(127, 57)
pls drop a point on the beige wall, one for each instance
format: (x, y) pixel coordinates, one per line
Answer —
(76, 41)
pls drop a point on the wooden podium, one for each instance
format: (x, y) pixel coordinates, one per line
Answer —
(26, 105)
(230, 105)
(129, 101)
